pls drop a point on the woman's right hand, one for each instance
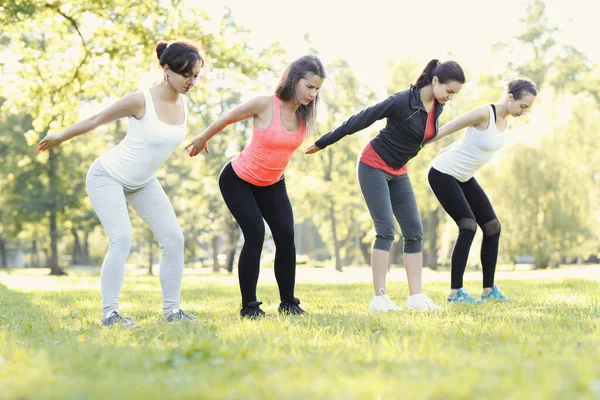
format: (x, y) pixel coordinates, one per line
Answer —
(312, 149)
(51, 141)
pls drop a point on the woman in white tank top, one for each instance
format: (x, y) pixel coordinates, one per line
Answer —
(451, 180)
(157, 119)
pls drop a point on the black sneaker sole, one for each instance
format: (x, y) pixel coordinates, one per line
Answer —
(257, 316)
(283, 311)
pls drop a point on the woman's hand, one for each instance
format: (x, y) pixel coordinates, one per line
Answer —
(197, 144)
(51, 141)
(312, 149)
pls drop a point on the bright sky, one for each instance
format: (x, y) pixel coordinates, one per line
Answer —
(370, 33)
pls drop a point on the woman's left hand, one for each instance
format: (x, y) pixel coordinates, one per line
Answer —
(197, 144)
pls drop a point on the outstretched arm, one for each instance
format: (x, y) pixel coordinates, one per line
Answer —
(474, 117)
(130, 105)
(239, 113)
(355, 123)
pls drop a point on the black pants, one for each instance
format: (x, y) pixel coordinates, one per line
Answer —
(469, 206)
(249, 204)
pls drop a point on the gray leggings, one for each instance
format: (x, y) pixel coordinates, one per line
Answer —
(109, 199)
(386, 196)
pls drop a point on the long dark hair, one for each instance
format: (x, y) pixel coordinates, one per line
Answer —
(180, 56)
(446, 71)
(302, 68)
(518, 88)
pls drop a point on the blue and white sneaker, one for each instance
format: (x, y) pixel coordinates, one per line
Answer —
(463, 297)
(495, 294)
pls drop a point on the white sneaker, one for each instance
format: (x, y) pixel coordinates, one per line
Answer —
(382, 302)
(421, 301)
(390, 304)
(378, 304)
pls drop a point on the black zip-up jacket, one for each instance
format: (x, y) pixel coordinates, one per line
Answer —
(402, 137)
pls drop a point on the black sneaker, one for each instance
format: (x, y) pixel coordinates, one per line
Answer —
(292, 308)
(116, 317)
(252, 310)
(177, 316)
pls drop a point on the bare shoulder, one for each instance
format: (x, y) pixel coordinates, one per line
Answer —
(261, 107)
(136, 97)
(130, 104)
(263, 111)
(260, 103)
(482, 111)
(477, 115)
(481, 117)
(135, 103)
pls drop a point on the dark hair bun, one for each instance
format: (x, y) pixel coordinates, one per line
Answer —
(160, 48)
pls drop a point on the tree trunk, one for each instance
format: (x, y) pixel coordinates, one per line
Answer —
(85, 256)
(3, 255)
(53, 261)
(542, 263)
(430, 225)
(54, 268)
(232, 244)
(365, 250)
(230, 258)
(35, 257)
(77, 250)
(46, 256)
(356, 234)
(150, 256)
(433, 242)
(215, 253)
(336, 243)
(425, 223)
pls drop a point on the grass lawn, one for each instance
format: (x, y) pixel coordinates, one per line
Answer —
(544, 345)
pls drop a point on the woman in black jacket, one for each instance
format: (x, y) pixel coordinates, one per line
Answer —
(412, 120)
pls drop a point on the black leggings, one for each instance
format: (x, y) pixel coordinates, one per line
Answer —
(249, 204)
(469, 206)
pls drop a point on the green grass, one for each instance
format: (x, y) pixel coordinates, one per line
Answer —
(545, 345)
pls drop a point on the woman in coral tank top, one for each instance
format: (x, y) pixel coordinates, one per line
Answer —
(253, 185)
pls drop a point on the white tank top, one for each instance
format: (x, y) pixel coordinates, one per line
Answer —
(465, 156)
(148, 144)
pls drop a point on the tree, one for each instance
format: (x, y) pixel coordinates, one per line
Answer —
(552, 178)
